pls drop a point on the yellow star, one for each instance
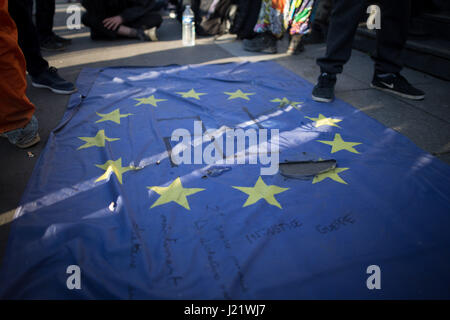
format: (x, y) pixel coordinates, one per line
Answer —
(97, 141)
(191, 94)
(113, 166)
(175, 192)
(286, 102)
(114, 116)
(338, 144)
(150, 100)
(262, 191)
(332, 174)
(324, 121)
(239, 94)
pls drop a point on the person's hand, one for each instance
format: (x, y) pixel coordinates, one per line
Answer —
(113, 23)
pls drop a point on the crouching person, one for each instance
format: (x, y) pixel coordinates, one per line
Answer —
(112, 19)
(17, 122)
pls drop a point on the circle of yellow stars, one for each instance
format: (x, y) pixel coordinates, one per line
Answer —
(176, 193)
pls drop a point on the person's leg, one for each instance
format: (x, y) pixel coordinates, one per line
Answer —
(319, 26)
(42, 76)
(391, 39)
(149, 20)
(98, 30)
(20, 11)
(45, 11)
(344, 21)
(145, 27)
(392, 36)
(269, 28)
(96, 12)
(299, 26)
(17, 122)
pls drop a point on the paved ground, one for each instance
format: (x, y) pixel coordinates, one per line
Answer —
(427, 122)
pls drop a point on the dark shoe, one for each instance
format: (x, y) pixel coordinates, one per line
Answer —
(51, 80)
(314, 37)
(295, 45)
(324, 89)
(62, 40)
(254, 44)
(25, 137)
(201, 32)
(50, 44)
(396, 84)
(265, 43)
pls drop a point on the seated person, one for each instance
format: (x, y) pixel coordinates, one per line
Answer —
(112, 19)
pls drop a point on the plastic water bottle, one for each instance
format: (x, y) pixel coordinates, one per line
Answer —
(188, 27)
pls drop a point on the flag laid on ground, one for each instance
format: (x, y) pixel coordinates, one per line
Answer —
(106, 202)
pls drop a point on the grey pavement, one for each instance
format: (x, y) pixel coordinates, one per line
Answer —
(426, 123)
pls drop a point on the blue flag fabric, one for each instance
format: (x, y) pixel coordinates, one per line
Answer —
(106, 198)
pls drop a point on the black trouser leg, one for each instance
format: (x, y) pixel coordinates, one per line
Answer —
(20, 11)
(45, 12)
(341, 31)
(392, 36)
(96, 12)
(147, 21)
(98, 30)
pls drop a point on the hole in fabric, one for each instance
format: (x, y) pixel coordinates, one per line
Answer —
(306, 169)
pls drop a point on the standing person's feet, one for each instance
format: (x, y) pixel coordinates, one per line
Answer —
(263, 42)
(62, 40)
(396, 84)
(51, 80)
(295, 45)
(51, 44)
(25, 137)
(324, 89)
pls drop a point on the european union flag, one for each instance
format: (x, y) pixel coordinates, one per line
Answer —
(120, 207)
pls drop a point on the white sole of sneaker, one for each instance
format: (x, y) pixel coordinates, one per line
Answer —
(403, 95)
(37, 85)
(319, 99)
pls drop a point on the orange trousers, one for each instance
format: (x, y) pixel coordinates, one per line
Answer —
(15, 108)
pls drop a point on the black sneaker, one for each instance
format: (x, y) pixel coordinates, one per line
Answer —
(50, 44)
(263, 42)
(396, 84)
(324, 89)
(51, 80)
(62, 40)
